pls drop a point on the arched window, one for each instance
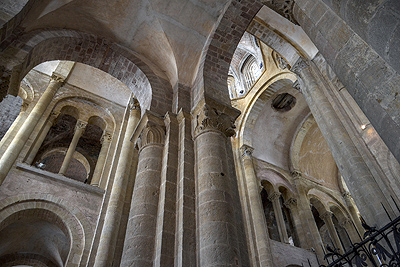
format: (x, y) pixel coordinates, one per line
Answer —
(251, 71)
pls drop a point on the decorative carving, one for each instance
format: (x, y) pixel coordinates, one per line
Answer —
(211, 119)
(326, 216)
(274, 196)
(151, 134)
(290, 203)
(134, 104)
(80, 125)
(247, 151)
(296, 85)
(345, 222)
(106, 137)
(24, 106)
(57, 78)
(296, 174)
(53, 116)
(300, 65)
(280, 61)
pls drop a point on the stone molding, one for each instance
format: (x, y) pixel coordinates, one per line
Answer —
(57, 78)
(80, 125)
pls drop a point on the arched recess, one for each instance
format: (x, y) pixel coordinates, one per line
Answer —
(72, 221)
(153, 92)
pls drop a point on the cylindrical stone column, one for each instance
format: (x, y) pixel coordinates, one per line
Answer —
(45, 130)
(347, 224)
(291, 204)
(327, 218)
(141, 229)
(79, 130)
(13, 150)
(217, 229)
(361, 183)
(274, 198)
(354, 215)
(257, 214)
(108, 239)
(98, 170)
(307, 216)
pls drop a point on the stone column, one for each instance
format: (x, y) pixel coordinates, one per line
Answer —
(327, 218)
(39, 141)
(291, 204)
(359, 179)
(218, 243)
(256, 210)
(305, 213)
(108, 238)
(79, 130)
(354, 215)
(98, 171)
(139, 246)
(13, 150)
(347, 224)
(274, 198)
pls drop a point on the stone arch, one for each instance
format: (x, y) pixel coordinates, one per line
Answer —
(305, 125)
(75, 224)
(258, 101)
(153, 92)
(219, 49)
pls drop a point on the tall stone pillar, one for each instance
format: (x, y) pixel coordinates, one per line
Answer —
(108, 238)
(256, 210)
(13, 150)
(101, 159)
(347, 224)
(361, 183)
(291, 204)
(274, 198)
(39, 141)
(311, 230)
(327, 218)
(354, 215)
(218, 243)
(139, 246)
(79, 130)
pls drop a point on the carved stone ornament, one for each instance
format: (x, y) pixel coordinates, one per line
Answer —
(247, 151)
(24, 106)
(134, 104)
(106, 137)
(283, 8)
(345, 222)
(296, 85)
(57, 78)
(326, 216)
(299, 66)
(211, 119)
(274, 196)
(80, 125)
(296, 174)
(151, 134)
(291, 203)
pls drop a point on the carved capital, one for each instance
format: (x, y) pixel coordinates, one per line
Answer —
(274, 196)
(24, 106)
(80, 125)
(296, 174)
(134, 104)
(283, 8)
(210, 118)
(152, 133)
(291, 203)
(53, 116)
(300, 65)
(327, 215)
(106, 137)
(247, 151)
(345, 222)
(296, 85)
(57, 78)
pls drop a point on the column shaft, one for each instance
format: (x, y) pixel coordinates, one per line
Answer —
(139, 246)
(274, 198)
(15, 147)
(108, 238)
(40, 139)
(218, 243)
(327, 218)
(361, 183)
(101, 159)
(257, 214)
(79, 130)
